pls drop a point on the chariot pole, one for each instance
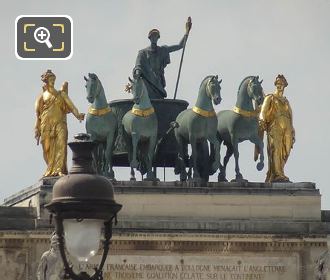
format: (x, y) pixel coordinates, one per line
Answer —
(188, 27)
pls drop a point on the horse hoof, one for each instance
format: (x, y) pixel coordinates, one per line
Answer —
(260, 166)
(134, 164)
(151, 179)
(222, 178)
(110, 175)
(214, 168)
(177, 169)
(197, 180)
(183, 177)
(133, 179)
(239, 180)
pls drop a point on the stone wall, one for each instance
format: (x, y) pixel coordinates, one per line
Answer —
(178, 256)
(175, 231)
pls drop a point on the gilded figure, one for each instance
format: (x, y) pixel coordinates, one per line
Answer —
(51, 107)
(276, 120)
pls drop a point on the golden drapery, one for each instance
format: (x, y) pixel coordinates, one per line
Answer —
(51, 109)
(276, 119)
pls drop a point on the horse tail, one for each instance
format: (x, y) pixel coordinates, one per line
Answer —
(173, 125)
(256, 148)
(256, 152)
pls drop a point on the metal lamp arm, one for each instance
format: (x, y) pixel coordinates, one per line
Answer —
(106, 242)
(67, 267)
(60, 231)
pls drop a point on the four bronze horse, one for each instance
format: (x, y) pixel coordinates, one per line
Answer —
(140, 125)
(196, 126)
(101, 124)
(240, 124)
(200, 126)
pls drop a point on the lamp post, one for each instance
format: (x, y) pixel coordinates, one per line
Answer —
(82, 204)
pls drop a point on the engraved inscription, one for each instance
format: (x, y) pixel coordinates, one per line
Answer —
(187, 267)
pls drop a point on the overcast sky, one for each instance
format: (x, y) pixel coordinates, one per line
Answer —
(233, 39)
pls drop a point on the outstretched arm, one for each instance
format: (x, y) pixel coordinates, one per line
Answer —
(178, 46)
(183, 40)
(71, 107)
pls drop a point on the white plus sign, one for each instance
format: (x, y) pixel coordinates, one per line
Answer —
(41, 34)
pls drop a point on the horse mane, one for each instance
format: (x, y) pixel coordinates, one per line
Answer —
(204, 80)
(244, 82)
(95, 78)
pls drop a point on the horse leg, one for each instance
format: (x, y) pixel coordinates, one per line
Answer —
(150, 157)
(181, 158)
(190, 168)
(222, 173)
(135, 140)
(228, 155)
(196, 175)
(108, 156)
(239, 176)
(130, 160)
(215, 153)
(212, 157)
(98, 156)
(130, 152)
(132, 175)
(95, 159)
(260, 144)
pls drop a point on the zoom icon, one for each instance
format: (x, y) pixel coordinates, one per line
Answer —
(43, 37)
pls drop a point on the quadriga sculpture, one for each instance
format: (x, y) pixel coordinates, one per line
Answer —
(240, 124)
(101, 124)
(196, 126)
(140, 124)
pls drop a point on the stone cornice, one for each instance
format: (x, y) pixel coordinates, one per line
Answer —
(299, 188)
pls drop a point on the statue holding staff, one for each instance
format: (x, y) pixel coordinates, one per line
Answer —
(151, 62)
(51, 107)
(276, 120)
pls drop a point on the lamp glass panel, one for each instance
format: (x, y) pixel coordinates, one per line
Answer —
(82, 237)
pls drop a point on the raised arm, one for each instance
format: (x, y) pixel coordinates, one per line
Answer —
(69, 104)
(183, 40)
(179, 46)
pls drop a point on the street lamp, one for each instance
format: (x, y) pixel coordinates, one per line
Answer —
(83, 204)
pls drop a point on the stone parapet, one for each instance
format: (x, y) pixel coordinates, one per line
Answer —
(174, 203)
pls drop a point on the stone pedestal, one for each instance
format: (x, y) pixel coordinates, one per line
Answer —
(184, 231)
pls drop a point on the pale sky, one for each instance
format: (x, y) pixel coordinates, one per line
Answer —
(233, 39)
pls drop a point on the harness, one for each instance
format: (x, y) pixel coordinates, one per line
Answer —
(204, 113)
(99, 112)
(143, 113)
(244, 113)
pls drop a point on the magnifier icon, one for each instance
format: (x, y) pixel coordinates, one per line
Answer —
(41, 35)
